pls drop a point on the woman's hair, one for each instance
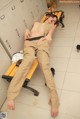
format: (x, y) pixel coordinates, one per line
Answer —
(50, 14)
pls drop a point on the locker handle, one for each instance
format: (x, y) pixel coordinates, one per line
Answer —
(37, 8)
(21, 1)
(8, 44)
(17, 32)
(13, 7)
(25, 23)
(32, 14)
(2, 17)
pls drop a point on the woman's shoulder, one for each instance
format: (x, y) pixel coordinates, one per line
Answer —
(36, 22)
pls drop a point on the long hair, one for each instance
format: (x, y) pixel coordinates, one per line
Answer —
(50, 14)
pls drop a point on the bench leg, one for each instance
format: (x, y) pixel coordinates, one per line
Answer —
(78, 47)
(36, 93)
(9, 78)
(61, 20)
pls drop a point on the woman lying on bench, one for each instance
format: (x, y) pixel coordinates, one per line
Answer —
(36, 43)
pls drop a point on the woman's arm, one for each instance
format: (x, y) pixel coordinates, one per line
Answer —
(50, 34)
(27, 34)
(48, 37)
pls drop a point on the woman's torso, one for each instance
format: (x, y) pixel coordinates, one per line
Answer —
(40, 29)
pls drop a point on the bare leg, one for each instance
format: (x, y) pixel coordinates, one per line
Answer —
(11, 104)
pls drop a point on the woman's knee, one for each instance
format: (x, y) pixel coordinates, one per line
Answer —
(44, 65)
(27, 61)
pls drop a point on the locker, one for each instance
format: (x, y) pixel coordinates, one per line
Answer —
(10, 33)
(4, 64)
(4, 3)
(41, 7)
(26, 13)
(34, 10)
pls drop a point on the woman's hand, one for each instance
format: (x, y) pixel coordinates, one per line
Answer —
(40, 41)
(27, 34)
(48, 38)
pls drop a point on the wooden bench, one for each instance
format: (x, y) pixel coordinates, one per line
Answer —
(13, 68)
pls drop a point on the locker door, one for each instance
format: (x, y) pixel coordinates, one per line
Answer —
(27, 15)
(38, 9)
(17, 15)
(4, 64)
(41, 7)
(10, 24)
(34, 9)
(4, 3)
(44, 6)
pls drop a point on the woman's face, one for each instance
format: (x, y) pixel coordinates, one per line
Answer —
(52, 20)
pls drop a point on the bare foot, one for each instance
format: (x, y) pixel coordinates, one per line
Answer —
(54, 112)
(11, 105)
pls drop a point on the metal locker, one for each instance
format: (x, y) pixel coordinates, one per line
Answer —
(34, 10)
(4, 64)
(18, 14)
(40, 9)
(9, 30)
(27, 15)
(4, 3)
(43, 6)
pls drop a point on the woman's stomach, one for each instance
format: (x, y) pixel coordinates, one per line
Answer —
(36, 34)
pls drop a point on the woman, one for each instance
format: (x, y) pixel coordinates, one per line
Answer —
(36, 42)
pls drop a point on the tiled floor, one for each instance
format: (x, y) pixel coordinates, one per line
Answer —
(66, 61)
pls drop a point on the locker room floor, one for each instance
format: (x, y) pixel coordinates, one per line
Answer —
(66, 61)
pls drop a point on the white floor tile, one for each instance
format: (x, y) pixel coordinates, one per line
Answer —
(59, 64)
(32, 100)
(67, 34)
(72, 82)
(77, 40)
(64, 42)
(74, 66)
(41, 101)
(75, 54)
(23, 111)
(70, 103)
(63, 52)
(59, 79)
(78, 31)
(4, 107)
(66, 116)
